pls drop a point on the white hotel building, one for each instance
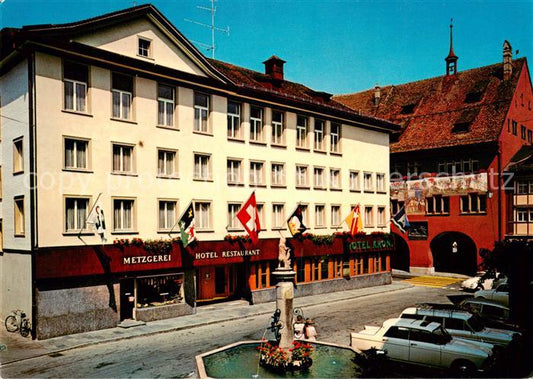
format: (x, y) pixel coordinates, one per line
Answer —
(123, 108)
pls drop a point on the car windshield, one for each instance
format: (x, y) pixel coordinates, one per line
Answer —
(476, 323)
(443, 335)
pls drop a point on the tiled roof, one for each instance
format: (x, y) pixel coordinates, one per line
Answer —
(522, 161)
(466, 108)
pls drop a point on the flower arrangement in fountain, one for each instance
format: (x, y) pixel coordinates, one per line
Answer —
(276, 359)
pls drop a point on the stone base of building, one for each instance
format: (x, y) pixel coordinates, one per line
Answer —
(162, 312)
(422, 270)
(325, 286)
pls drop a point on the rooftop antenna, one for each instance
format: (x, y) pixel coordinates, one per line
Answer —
(212, 26)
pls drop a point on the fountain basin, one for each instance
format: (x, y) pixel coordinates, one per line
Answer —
(241, 360)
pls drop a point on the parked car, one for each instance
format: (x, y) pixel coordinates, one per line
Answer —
(425, 344)
(462, 324)
(494, 314)
(500, 294)
(484, 280)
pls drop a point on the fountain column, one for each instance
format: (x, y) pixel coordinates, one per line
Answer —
(285, 295)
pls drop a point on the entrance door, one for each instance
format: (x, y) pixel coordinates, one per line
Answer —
(221, 281)
(215, 282)
(127, 298)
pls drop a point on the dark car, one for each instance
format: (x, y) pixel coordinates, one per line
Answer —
(494, 314)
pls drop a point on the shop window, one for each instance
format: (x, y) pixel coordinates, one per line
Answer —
(122, 94)
(278, 174)
(159, 290)
(234, 120)
(365, 265)
(165, 105)
(278, 128)
(19, 227)
(256, 124)
(359, 265)
(262, 275)
(315, 269)
(301, 131)
(76, 214)
(300, 270)
(335, 138)
(338, 267)
(75, 81)
(201, 113)
(324, 268)
(319, 135)
(76, 154)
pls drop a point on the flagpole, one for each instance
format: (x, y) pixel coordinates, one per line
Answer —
(179, 218)
(89, 214)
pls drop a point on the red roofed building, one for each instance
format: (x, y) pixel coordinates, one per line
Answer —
(458, 133)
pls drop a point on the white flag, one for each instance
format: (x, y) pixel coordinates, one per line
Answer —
(97, 220)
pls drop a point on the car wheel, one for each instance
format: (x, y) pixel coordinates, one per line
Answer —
(463, 368)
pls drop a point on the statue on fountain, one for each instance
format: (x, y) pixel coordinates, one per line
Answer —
(284, 255)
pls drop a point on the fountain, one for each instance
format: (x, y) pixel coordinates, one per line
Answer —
(280, 358)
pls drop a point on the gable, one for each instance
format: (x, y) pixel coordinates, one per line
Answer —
(123, 39)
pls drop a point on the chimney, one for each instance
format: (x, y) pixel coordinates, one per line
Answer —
(507, 60)
(274, 67)
(377, 95)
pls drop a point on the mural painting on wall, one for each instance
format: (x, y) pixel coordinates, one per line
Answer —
(414, 192)
(418, 230)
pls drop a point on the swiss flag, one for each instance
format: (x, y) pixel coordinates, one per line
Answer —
(249, 218)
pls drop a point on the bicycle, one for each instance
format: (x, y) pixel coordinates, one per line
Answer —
(17, 320)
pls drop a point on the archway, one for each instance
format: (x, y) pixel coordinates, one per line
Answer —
(400, 258)
(454, 252)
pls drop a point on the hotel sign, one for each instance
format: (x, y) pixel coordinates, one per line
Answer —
(370, 245)
(142, 259)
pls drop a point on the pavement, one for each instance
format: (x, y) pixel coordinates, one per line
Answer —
(15, 348)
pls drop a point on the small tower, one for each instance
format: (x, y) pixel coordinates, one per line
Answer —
(451, 59)
(507, 60)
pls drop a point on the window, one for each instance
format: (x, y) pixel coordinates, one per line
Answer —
(76, 214)
(335, 138)
(122, 159)
(324, 267)
(437, 204)
(167, 214)
(202, 167)
(145, 48)
(234, 167)
(122, 92)
(159, 291)
(202, 215)
(233, 222)
(234, 120)
(278, 174)
(305, 213)
(523, 132)
(529, 136)
(408, 109)
(261, 215)
(524, 215)
(369, 184)
(515, 127)
(257, 175)
(395, 206)
(354, 181)
(369, 219)
(76, 154)
(318, 178)
(320, 216)
(301, 131)
(19, 226)
(474, 203)
(278, 128)
(165, 105)
(380, 183)
(166, 163)
(123, 219)
(335, 215)
(256, 124)
(412, 168)
(278, 216)
(75, 81)
(201, 112)
(301, 176)
(319, 135)
(522, 187)
(18, 156)
(381, 216)
(335, 179)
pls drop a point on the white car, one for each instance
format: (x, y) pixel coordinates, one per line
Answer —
(425, 344)
(482, 281)
(499, 294)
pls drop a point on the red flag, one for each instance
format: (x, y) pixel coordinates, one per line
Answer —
(249, 218)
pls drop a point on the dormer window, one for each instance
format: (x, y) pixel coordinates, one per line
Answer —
(473, 97)
(461, 127)
(145, 48)
(408, 109)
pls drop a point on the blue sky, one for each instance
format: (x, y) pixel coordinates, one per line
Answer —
(338, 46)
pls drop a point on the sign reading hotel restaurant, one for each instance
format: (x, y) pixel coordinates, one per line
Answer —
(226, 254)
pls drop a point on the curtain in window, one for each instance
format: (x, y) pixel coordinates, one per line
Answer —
(69, 153)
(116, 104)
(116, 158)
(170, 215)
(127, 215)
(80, 97)
(82, 213)
(170, 114)
(161, 163)
(81, 154)
(70, 219)
(69, 95)
(126, 159)
(117, 220)
(162, 223)
(126, 106)
(161, 112)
